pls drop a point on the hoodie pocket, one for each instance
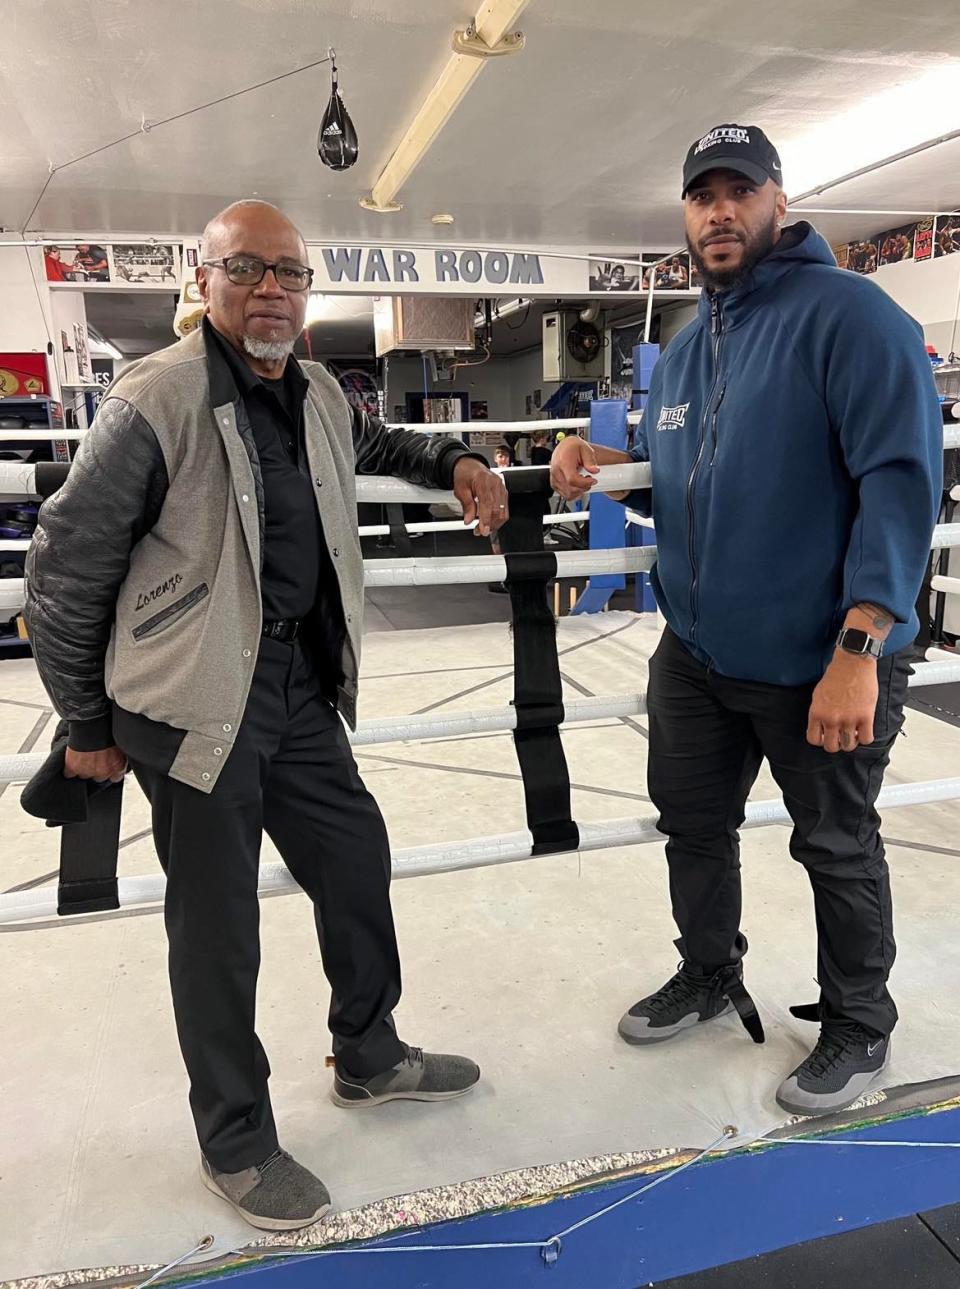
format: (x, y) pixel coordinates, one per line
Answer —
(171, 614)
(714, 431)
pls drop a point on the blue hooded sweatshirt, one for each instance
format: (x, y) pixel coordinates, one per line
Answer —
(796, 443)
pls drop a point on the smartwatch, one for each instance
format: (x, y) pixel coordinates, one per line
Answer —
(853, 640)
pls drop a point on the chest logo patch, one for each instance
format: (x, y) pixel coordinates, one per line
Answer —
(672, 418)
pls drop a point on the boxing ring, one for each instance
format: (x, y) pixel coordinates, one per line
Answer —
(536, 953)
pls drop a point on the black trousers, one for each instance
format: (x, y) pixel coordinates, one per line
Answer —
(708, 735)
(292, 774)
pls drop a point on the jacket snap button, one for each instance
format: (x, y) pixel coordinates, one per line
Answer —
(336, 552)
(218, 751)
(205, 777)
(246, 653)
(226, 420)
(319, 483)
(245, 497)
(227, 729)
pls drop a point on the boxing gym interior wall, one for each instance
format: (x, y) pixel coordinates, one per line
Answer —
(929, 292)
(484, 220)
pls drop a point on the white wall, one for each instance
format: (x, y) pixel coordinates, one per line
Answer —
(489, 381)
(674, 320)
(26, 321)
(69, 311)
(503, 383)
(930, 292)
(526, 376)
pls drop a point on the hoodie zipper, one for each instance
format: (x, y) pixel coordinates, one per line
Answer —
(716, 330)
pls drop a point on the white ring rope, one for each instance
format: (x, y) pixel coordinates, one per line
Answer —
(483, 568)
(491, 720)
(455, 525)
(16, 544)
(951, 433)
(455, 856)
(493, 568)
(380, 490)
(442, 571)
(18, 483)
(445, 427)
(39, 436)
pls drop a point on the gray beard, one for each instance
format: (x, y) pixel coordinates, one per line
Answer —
(271, 351)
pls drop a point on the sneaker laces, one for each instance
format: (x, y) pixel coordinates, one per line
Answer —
(269, 1162)
(414, 1055)
(681, 988)
(834, 1043)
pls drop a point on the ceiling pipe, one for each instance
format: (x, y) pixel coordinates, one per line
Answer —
(875, 165)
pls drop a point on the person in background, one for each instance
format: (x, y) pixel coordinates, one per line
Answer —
(540, 452)
(502, 460)
(796, 651)
(56, 269)
(93, 261)
(677, 276)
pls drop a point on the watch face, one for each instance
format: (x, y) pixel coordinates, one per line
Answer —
(855, 640)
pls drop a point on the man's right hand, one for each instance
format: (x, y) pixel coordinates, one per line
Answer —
(106, 766)
(570, 458)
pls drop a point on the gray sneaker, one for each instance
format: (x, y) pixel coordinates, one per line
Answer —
(420, 1076)
(842, 1066)
(277, 1195)
(687, 999)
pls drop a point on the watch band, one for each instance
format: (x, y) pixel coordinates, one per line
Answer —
(853, 640)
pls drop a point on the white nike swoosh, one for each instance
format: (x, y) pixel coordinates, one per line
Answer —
(872, 1047)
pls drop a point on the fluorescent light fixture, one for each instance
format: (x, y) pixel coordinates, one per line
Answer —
(489, 29)
(104, 349)
(879, 126)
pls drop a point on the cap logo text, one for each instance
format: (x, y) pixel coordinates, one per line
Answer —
(723, 134)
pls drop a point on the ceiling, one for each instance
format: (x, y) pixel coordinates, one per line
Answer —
(136, 322)
(576, 142)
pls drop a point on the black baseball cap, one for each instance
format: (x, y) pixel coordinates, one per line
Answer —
(744, 148)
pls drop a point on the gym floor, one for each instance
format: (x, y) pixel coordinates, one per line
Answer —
(525, 966)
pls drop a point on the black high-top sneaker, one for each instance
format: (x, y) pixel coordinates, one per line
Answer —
(847, 1059)
(689, 998)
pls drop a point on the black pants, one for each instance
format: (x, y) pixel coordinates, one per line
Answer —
(291, 773)
(708, 735)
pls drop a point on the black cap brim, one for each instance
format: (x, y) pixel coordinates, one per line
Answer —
(716, 161)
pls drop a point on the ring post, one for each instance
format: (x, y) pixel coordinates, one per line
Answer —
(644, 360)
(608, 428)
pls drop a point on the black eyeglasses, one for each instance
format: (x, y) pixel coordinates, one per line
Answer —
(248, 270)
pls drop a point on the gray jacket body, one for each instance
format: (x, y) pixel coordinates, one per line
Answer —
(143, 580)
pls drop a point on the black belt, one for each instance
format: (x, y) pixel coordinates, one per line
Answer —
(284, 629)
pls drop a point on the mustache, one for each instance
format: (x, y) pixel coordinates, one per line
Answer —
(722, 237)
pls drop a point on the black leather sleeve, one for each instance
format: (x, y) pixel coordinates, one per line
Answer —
(425, 459)
(79, 558)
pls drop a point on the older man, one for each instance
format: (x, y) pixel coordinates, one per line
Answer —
(194, 598)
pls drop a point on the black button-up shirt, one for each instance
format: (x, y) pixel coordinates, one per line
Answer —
(297, 580)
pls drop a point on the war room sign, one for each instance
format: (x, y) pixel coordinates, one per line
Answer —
(443, 270)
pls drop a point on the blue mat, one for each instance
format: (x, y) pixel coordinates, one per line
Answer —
(718, 1211)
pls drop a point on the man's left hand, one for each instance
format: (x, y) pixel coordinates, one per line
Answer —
(482, 494)
(844, 704)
